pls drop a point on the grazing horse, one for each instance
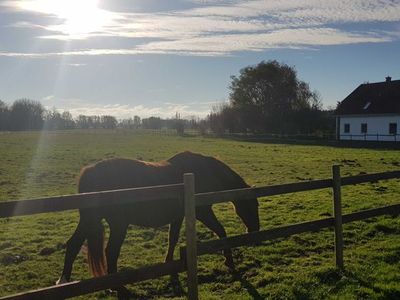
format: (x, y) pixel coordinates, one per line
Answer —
(210, 175)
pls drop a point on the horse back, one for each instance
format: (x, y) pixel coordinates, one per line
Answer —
(112, 174)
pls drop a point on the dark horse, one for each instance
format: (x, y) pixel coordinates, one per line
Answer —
(210, 175)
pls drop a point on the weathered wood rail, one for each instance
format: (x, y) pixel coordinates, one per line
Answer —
(78, 288)
(87, 200)
(188, 259)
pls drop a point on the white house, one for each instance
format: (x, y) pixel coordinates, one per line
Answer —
(371, 113)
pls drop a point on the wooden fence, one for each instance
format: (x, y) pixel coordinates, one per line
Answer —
(189, 253)
(371, 137)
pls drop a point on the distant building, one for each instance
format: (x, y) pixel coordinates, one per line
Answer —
(371, 112)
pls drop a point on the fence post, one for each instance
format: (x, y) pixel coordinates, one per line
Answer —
(337, 209)
(191, 243)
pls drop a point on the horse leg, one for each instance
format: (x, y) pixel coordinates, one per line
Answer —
(73, 246)
(208, 218)
(113, 249)
(173, 237)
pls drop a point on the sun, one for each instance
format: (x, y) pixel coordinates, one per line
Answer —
(76, 18)
(81, 17)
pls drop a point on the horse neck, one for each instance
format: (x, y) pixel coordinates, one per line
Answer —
(237, 182)
(221, 173)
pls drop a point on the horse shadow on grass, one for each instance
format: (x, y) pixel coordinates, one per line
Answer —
(245, 284)
(234, 276)
(174, 287)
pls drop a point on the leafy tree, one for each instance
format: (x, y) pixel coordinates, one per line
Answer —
(26, 114)
(152, 123)
(269, 94)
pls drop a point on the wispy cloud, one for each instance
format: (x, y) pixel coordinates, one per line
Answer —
(222, 45)
(224, 27)
(77, 65)
(285, 38)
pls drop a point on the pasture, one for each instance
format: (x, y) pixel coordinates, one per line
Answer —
(32, 248)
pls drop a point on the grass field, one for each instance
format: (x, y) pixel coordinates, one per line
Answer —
(301, 267)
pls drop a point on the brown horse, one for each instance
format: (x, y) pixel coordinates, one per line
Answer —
(210, 175)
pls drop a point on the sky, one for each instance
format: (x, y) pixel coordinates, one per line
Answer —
(158, 57)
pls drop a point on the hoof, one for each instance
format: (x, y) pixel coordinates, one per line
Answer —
(61, 280)
(123, 293)
(174, 277)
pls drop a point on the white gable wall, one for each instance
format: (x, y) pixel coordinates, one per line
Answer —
(378, 128)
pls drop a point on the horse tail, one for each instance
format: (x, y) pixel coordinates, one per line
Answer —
(95, 254)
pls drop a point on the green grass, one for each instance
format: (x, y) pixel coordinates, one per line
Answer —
(300, 267)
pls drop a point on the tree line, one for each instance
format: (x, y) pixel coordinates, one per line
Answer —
(27, 114)
(264, 98)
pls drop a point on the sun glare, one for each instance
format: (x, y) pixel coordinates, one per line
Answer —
(78, 17)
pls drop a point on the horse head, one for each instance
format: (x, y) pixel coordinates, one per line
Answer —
(247, 210)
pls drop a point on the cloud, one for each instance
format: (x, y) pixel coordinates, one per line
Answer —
(222, 45)
(83, 52)
(48, 99)
(215, 28)
(307, 11)
(286, 38)
(124, 111)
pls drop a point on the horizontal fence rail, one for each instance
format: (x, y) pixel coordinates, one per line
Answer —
(259, 236)
(127, 196)
(371, 137)
(87, 200)
(248, 193)
(284, 231)
(77, 288)
(370, 213)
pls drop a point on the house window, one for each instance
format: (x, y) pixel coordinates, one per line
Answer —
(392, 128)
(346, 128)
(364, 127)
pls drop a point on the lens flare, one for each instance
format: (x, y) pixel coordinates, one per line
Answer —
(76, 18)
